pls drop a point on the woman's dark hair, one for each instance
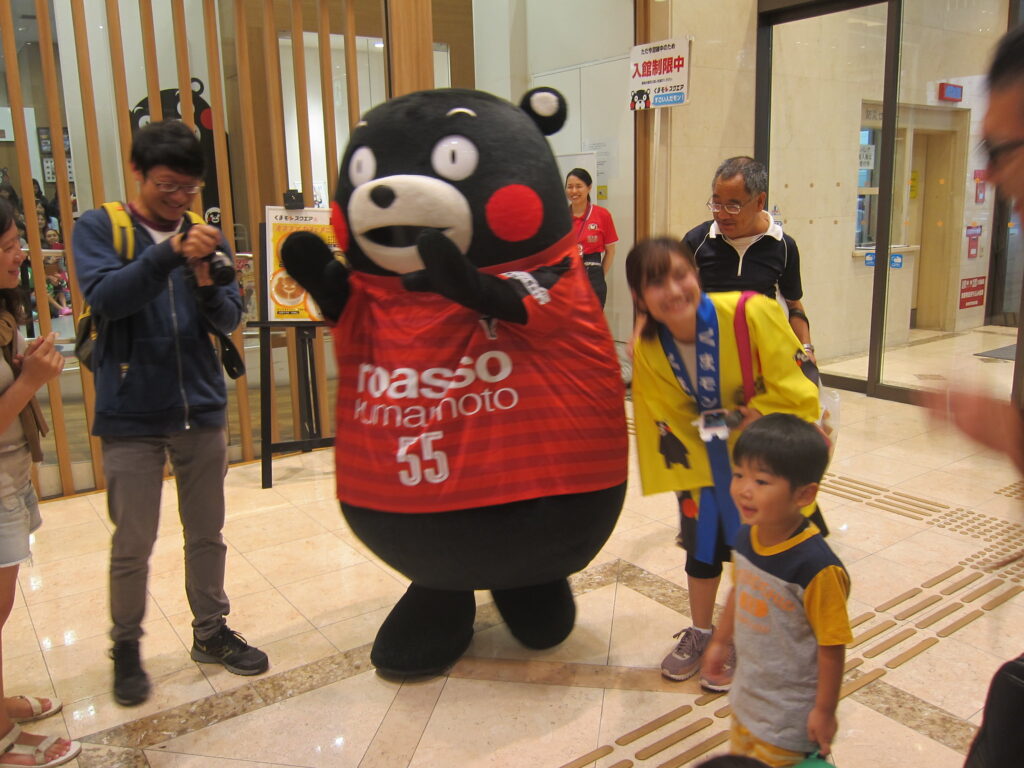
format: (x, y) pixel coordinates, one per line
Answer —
(582, 175)
(648, 262)
(8, 192)
(786, 446)
(11, 299)
(170, 143)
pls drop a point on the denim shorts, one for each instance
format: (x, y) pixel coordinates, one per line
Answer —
(19, 516)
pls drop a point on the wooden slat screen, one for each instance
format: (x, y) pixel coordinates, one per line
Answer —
(262, 158)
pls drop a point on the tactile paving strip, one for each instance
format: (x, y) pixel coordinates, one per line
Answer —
(1002, 538)
(894, 625)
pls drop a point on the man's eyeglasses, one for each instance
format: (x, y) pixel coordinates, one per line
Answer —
(997, 152)
(169, 189)
(732, 208)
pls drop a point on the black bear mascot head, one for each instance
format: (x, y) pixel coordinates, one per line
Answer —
(481, 441)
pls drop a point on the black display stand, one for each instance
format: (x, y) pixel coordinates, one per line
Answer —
(311, 436)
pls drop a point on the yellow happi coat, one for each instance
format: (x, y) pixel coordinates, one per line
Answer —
(657, 397)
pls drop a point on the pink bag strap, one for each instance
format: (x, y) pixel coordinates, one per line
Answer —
(742, 331)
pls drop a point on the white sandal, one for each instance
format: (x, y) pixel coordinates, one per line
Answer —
(37, 752)
(37, 709)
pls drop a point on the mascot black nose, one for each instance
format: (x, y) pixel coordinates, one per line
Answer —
(382, 195)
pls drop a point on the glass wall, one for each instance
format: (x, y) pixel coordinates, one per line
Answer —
(943, 212)
(826, 119)
(940, 320)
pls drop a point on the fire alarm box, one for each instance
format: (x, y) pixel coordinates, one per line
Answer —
(951, 92)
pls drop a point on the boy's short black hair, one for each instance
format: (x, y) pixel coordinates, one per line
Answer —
(732, 761)
(787, 446)
(170, 143)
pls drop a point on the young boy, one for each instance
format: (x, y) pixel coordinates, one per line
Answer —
(786, 613)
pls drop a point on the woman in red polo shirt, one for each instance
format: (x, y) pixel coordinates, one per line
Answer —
(594, 229)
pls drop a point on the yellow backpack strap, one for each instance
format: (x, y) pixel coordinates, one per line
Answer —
(123, 229)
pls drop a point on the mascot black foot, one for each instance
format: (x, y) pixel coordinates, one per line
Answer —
(481, 437)
(440, 621)
(538, 617)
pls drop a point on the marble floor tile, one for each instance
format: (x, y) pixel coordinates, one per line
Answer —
(330, 727)
(84, 669)
(285, 654)
(642, 630)
(879, 469)
(61, 578)
(96, 713)
(160, 759)
(869, 529)
(261, 617)
(356, 631)
(344, 593)
(71, 619)
(70, 540)
(525, 725)
(953, 675)
(303, 558)
(931, 549)
(62, 513)
(267, 528)
(167, 586)
(651, 546)
(587, 644)
(865, 737)
(19, 635)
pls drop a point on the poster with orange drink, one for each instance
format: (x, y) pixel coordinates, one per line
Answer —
(286, 300)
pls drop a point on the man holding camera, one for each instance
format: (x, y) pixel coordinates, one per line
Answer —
(160, 393)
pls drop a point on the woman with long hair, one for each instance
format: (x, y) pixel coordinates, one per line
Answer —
(23, 370)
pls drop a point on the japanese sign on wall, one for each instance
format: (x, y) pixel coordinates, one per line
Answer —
(286, 299)
(659, 74)
(972, 292)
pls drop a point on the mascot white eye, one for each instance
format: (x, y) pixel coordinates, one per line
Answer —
(454, 157)
(362, 167)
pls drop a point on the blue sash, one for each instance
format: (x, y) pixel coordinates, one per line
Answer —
(716, 506)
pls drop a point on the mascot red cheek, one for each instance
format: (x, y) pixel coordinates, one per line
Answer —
(481, 440)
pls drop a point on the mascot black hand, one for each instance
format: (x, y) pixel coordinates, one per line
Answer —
(308, 259)
(449, 273)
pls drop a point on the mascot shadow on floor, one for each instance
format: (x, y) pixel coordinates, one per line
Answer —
(481, 438)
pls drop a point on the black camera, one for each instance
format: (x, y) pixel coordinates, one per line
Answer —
(222, 269)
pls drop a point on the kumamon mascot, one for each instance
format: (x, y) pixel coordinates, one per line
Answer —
(481, 439)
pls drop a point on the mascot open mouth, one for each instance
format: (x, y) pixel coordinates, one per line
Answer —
(387, 227)
(399, 236)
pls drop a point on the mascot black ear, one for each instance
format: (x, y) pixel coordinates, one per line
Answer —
(546, 107)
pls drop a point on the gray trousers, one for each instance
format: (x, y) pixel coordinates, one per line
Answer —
(134, 470)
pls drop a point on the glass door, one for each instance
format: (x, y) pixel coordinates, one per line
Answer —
(824, 159)
(942, 322)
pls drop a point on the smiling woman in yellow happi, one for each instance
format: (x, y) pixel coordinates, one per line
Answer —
(688, 361)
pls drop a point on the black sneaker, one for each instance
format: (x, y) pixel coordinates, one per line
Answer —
(230, 649)
(131, 683)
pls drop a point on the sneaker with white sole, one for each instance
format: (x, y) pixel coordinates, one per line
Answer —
(684, 660)
(230, 649)
(721, 682)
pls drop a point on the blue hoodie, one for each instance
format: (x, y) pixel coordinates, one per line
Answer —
(156, 370)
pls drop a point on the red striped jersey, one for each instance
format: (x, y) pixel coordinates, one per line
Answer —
(439, 409)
